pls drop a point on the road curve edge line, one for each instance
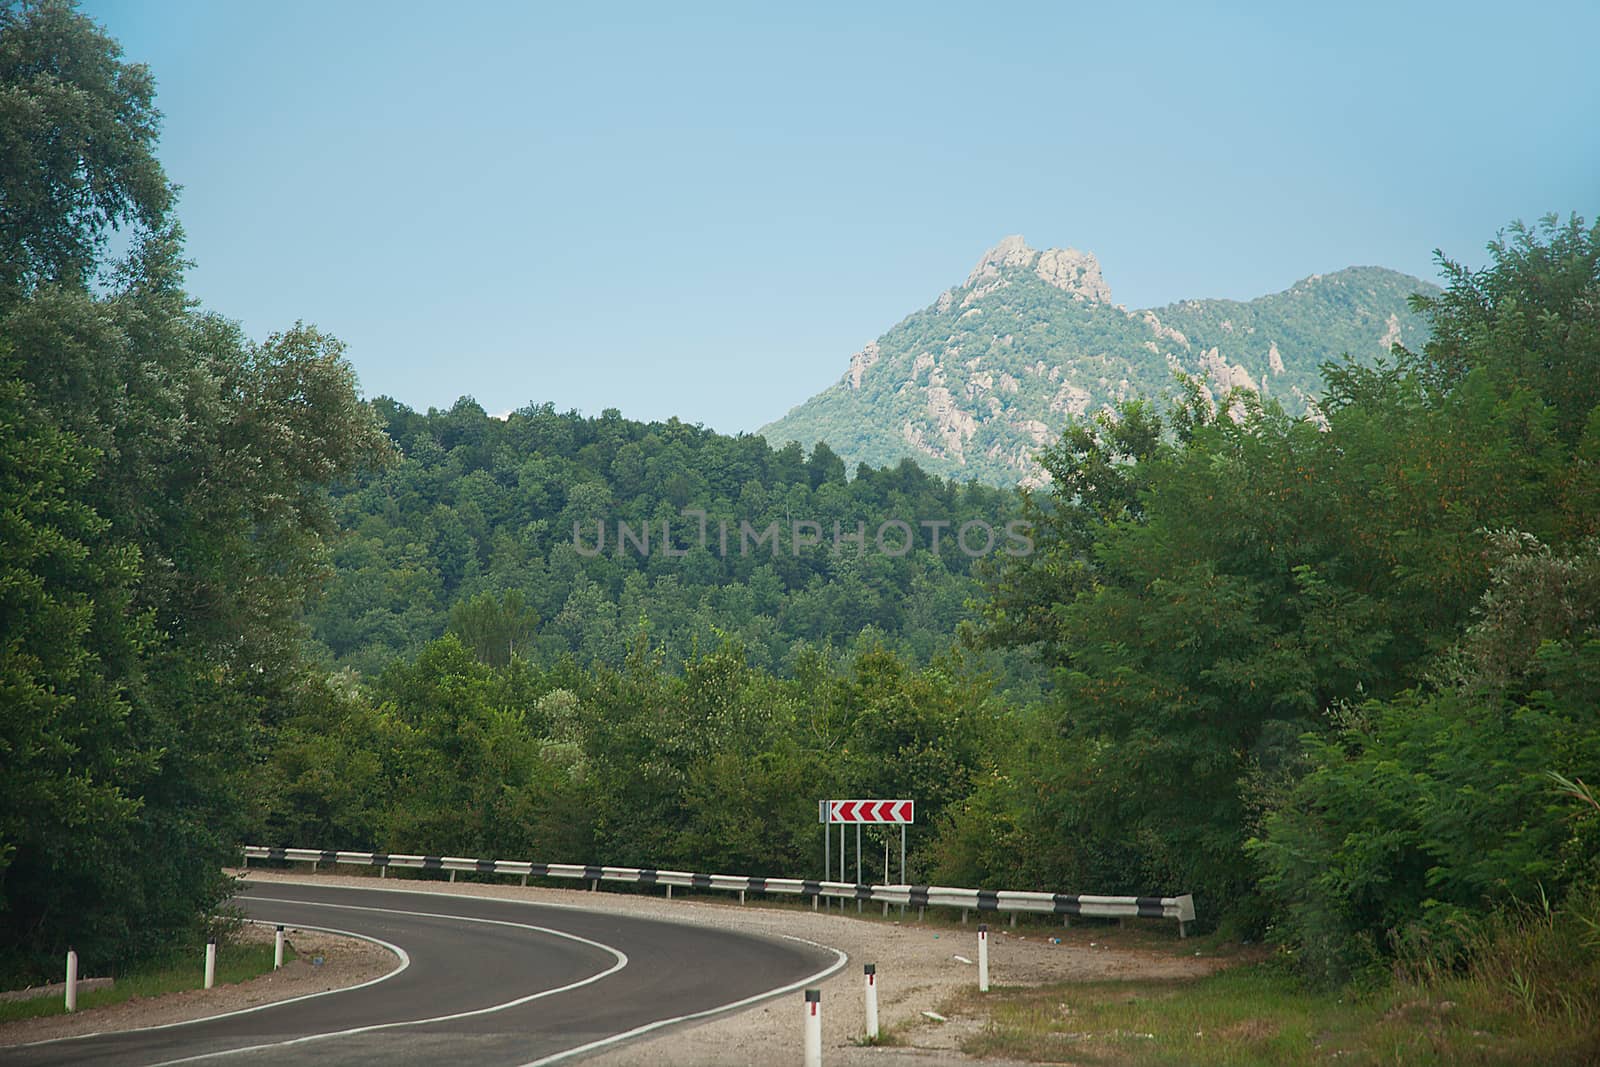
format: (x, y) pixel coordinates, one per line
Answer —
(841, 958)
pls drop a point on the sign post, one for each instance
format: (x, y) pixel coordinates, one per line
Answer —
(858, 866)
(827, 845)
(880, 812)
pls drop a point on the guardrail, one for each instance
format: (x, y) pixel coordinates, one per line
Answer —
(1066, 905)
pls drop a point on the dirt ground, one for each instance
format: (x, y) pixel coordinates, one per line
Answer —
(346, 962)
(917, 966)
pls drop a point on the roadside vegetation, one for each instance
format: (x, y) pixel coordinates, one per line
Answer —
(1527, 994)
(170, 972)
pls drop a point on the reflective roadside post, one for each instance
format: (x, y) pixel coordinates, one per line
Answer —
(983, 957)
(871, 970)
(72, 980)
(813, 1028)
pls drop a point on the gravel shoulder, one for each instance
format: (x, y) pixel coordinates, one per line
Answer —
(347, 961)
(916, 965)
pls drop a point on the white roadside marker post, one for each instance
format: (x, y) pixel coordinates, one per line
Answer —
(277, 947)
(211, 963)
(871, 970)
(813, 1031)
(983, 957)
(72, 980)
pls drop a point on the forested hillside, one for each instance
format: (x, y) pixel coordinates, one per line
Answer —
(493, 528)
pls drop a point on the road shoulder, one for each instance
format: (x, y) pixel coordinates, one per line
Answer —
(347, 962)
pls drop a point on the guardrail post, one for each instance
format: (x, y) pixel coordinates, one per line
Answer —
(1013, 920)
(813, 1028)
(983, 957)
(669, 891)
(211, 963)
(72, 980)
(277, 947)
(452, 876)
(963, 916)
(741, 896)
(871, 971)
(383, 872)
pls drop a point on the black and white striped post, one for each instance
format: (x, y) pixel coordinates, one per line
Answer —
(983, 957)
(813, 1028)
(277, 947)
(211, 963)
(871, 970)
(72, 980)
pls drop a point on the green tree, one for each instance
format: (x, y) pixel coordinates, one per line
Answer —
(495, 628)
(167, 529)
(1422, 812)
(67, 615)
(78, 129)
(1211, 593)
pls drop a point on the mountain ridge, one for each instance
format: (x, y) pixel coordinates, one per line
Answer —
(974, 384)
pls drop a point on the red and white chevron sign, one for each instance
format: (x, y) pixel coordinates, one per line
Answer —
(891, 811)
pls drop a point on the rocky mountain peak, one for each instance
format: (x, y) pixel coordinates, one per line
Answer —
(978, 382)
(1012, 251)
(1067, 269)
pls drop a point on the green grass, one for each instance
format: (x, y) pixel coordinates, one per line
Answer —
(888, 1037)
(1244, 1015)
(1260, 1014)
(236, 962)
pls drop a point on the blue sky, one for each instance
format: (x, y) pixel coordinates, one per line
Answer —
(703, 211)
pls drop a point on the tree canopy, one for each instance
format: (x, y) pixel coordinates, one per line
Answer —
(163, 486)
(1253, 619)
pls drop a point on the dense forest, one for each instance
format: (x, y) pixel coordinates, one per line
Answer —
(1336, 677)
(511, 533)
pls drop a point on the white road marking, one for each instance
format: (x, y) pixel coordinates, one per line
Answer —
(621, 958)
(839, 961)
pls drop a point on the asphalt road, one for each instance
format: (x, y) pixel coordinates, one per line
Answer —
(494, 982)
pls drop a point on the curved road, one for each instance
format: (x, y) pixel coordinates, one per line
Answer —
(495, 982)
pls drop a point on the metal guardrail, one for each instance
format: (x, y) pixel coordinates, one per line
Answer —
(1067, 905)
